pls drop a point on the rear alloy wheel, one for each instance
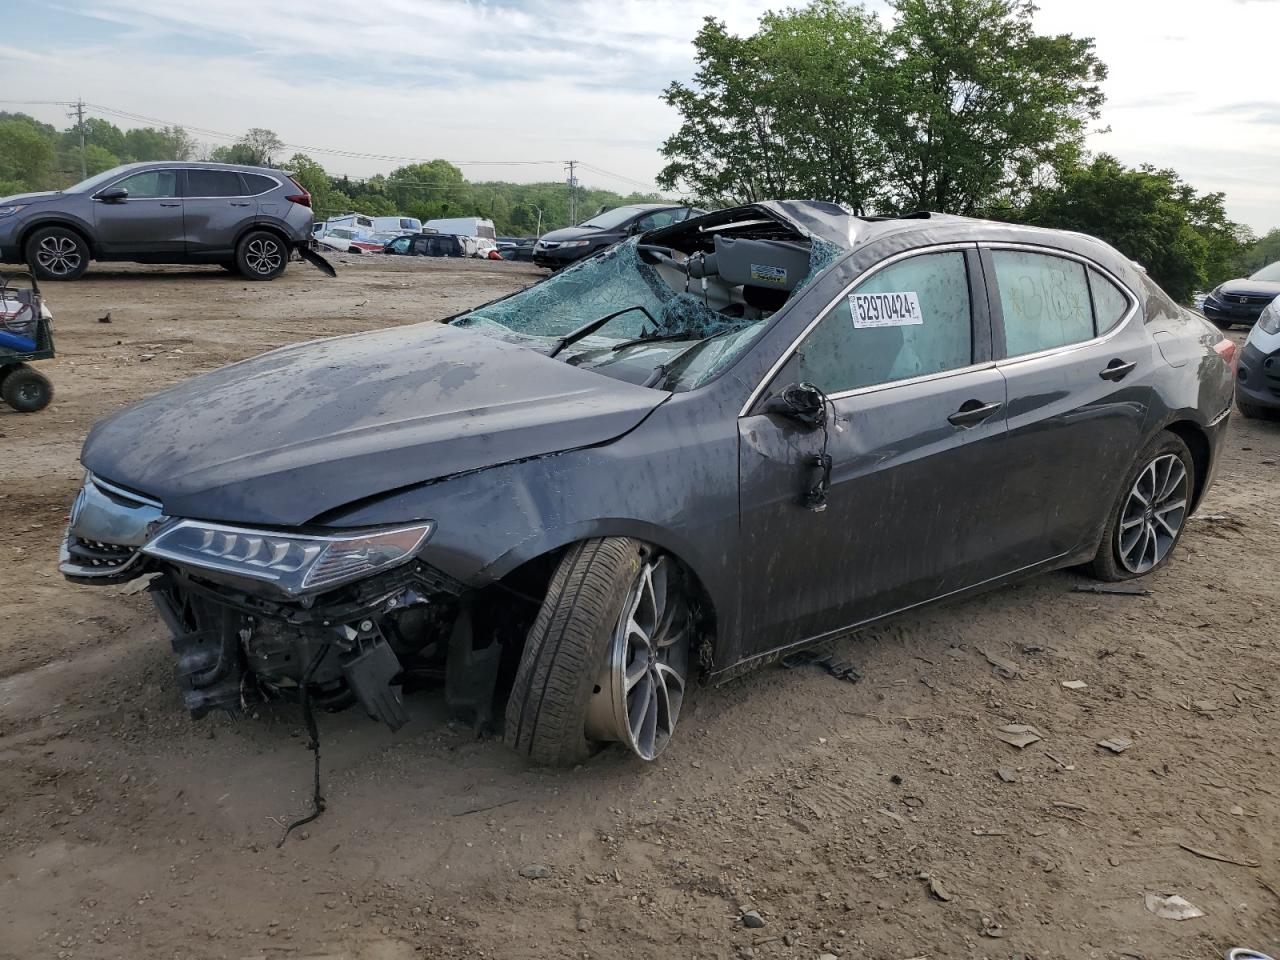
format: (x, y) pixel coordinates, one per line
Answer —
(261, 256)
(1148, 520)
(607, 658)
(56, 253)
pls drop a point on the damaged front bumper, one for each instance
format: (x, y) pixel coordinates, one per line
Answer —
(260, 615)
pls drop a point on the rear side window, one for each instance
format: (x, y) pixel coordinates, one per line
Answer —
(911, 319)
(1109, 304)
(151, 184)
(256, 183)
(213, 183)
(1045, 301)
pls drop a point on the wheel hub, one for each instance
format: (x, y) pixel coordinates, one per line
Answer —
(638, 696)
(1153, 514)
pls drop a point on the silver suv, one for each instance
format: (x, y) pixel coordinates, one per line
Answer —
(248, 219)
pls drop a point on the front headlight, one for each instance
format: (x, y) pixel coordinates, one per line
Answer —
(566, 244)
(1213, 294)
(11, 209)
(1269, 321)
(293, 563)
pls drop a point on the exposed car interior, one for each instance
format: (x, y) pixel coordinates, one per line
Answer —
(649, 309)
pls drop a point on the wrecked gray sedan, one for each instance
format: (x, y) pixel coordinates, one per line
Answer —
(715, 442)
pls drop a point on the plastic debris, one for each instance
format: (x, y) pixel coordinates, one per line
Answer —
(1075, 684)
(840, 669)
(1118, 590)
(1116, 744)
(1172, 907)
(1020, 735)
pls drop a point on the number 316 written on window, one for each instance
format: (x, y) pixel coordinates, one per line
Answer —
(885, 309)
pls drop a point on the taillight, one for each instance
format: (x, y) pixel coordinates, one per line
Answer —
(303, 198)
(1228, 351)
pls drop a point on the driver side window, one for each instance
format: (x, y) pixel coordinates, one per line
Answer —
(910, 319)
(151, 184)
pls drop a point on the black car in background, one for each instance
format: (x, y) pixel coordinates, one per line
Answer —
(709, 445)
(1243, 300)
(559, 248)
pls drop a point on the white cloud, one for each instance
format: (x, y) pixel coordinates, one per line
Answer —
(560, 79)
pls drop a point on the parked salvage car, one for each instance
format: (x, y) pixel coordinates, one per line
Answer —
(248, 219)
(559, 248)
(431, 245)
(719, 441)
(1242, 300)
(1258, 376)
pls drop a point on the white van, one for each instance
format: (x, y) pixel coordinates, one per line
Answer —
(464, 227)
(396, 226)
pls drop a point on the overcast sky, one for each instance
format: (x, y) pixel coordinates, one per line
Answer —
(1192, 84)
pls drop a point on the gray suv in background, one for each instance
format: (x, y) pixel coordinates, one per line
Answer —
(248, 219)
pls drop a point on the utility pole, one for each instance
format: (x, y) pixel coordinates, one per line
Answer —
(79, 115)
(570, 165)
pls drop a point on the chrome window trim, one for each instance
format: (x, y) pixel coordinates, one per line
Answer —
(184, 168)
(844, 292)
(923, 378)
(1085, 262)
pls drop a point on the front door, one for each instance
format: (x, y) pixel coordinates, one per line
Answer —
(148, 221)
(217, 210)
(917, 447)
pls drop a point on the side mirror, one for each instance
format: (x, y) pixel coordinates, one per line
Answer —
(112, 195)
(802, 402)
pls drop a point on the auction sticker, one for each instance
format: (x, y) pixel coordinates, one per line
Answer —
(885, 309)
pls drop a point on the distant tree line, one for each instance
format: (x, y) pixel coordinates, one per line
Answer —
(38, 156)
(955, 106)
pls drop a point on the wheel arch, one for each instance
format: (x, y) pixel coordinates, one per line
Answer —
(267, 227)
(1197, 441)
(67, 223)
(537, 558)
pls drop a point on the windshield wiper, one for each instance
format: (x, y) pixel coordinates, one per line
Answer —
(663, 369)
(573, 336)
(652, 338)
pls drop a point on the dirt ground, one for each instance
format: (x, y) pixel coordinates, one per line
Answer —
(866, 820)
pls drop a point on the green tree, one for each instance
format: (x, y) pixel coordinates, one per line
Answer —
(1182, 238)
(975, 103)
(26, 153)
(786, 112)
(97, 159)
(1253, 256)
(158, 143)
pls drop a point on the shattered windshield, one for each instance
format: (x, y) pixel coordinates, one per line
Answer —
(654, 315)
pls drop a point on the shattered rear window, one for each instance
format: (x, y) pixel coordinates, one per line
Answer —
(667, 324)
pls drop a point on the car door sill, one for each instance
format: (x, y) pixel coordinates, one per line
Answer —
(760, 659)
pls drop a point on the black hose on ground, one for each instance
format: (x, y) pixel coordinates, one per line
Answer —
(308, 716)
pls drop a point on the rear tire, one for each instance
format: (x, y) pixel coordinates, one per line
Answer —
(1140, 538)
(261, 255)
(26, 390)
(566, 651)
(56, 253)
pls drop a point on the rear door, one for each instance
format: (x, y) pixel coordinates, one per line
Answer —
(148, 221)
(1079, 368)
(917, 448)
(218, 208)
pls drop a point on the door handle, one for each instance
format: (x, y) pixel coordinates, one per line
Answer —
(165, 204)
(973, 412)
(235, 203)
(1117, 370)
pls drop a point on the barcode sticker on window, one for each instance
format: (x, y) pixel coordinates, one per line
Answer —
(885, 309)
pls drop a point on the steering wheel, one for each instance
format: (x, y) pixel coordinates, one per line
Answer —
(653, 253)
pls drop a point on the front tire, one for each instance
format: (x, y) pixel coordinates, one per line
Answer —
(261, 255)
(56, 253)
(1253, 412)
(607, 657)
(1150, 514)
(26, 390)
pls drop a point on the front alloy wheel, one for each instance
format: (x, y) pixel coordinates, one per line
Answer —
(1153, 514)
(56, 253)
(607, 658)
(642, 686)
